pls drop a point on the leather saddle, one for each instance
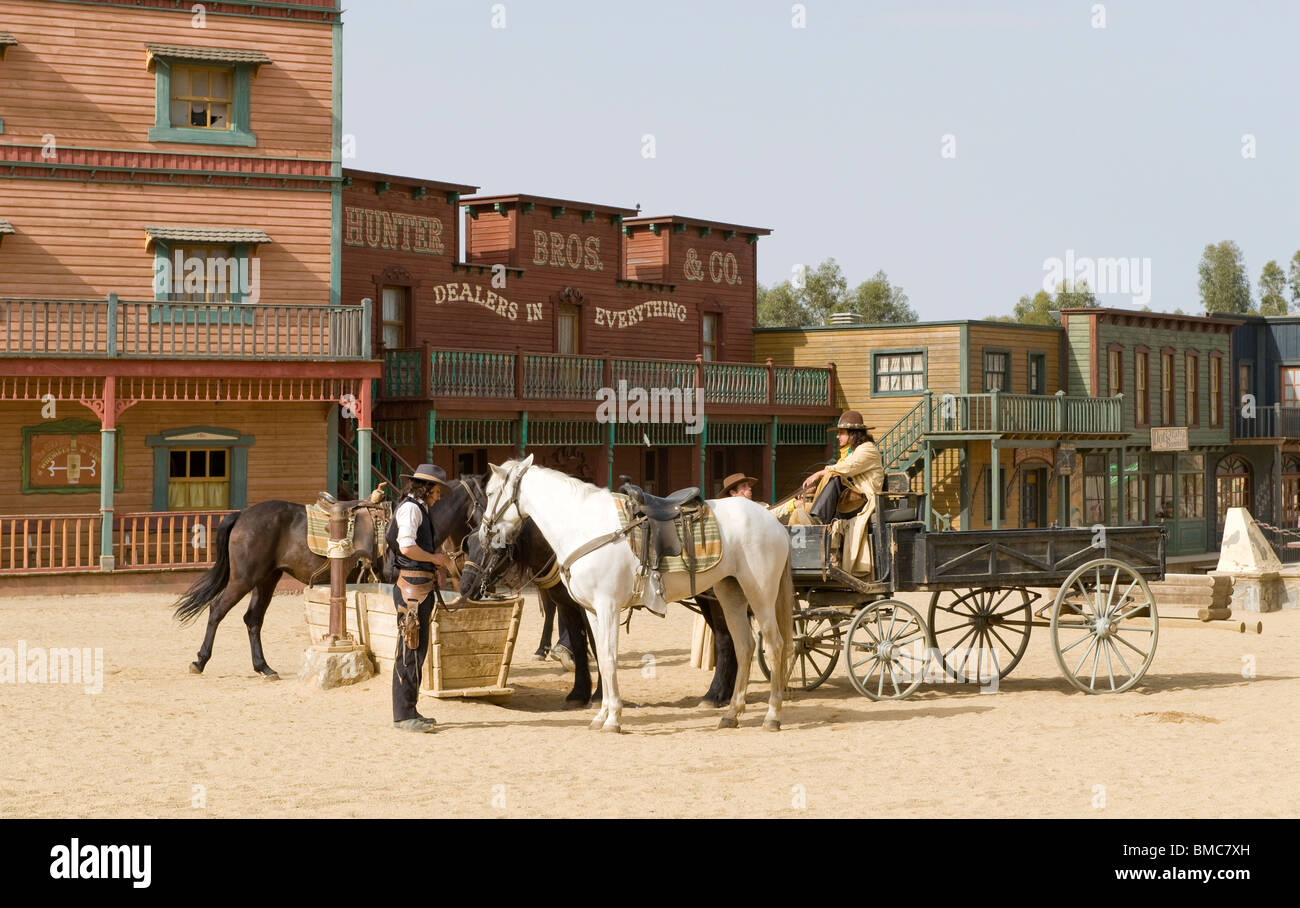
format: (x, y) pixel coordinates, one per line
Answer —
(667, 525)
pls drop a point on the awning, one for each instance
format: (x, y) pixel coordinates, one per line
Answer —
(216, 236)
(220, 55)
(6, 41)
(5, 227)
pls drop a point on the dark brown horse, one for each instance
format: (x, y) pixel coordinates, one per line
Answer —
(257, 546)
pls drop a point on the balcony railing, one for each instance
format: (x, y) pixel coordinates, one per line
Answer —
(1275, 421)
(995, 412)
(126, 328)
(419, 373)
(64, 543)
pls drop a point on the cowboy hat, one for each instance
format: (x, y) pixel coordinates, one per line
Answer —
(735, 479)
(427, 472)
(850, 419)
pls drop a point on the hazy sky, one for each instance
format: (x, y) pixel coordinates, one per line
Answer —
(1122, 141)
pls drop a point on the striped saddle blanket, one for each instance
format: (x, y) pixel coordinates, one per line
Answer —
(318, 529)
(708, 539)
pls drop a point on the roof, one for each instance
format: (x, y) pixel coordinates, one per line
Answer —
(438, 185)
(697, 222)
(1229, 320)
(206, 54)
(5, 227)
(232, 236)
(546, 202)
(951, 323)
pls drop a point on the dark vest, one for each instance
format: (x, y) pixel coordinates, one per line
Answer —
(423, 538)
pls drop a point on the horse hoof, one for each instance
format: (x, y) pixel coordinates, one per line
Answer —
(706, 703)
(574, 704)
(728, 722)
(597, 725)
(196, 669)
(612, 729)
(772, 724)
(271, 676)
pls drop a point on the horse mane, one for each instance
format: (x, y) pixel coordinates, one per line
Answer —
(572, 483)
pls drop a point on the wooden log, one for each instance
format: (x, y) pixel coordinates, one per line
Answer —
(1214, 614)
(515, 613)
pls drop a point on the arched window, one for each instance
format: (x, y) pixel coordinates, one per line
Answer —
(1233, 480)
(1291, 491)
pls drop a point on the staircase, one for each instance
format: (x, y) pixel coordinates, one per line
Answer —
(900, 446)
(385, 465)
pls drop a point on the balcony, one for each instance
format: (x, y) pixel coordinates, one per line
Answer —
(1270, 422)
(114, 328)
(421, 373)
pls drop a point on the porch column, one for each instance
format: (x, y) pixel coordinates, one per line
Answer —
(929, 483)
(995, 483)
(107, 472)
(771, 461)
(431, 423)
(963, 468)
(332, 448)
(704, 454)
(609, 455)
(523, 433)
(364, 408)
(1120, 519)
(1277, 498)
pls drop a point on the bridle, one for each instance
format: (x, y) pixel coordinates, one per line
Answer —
(487, 528)
(473, 515)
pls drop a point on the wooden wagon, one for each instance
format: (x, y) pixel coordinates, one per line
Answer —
(1103, 622)
(469, 648)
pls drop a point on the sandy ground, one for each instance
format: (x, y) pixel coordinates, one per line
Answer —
(1197, 739)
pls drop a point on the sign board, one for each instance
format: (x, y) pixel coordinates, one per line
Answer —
(1065, 460)
(1169, 438)
(64, 456)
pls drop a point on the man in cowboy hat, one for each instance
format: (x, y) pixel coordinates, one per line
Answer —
(420, 570)
(738, 484)
(858, 469)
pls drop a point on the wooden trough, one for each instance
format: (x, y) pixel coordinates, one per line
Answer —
(469, 649)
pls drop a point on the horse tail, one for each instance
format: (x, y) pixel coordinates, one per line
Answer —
(785, 615)
(208, 587)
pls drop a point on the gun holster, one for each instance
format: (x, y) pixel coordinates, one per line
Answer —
(414, 587)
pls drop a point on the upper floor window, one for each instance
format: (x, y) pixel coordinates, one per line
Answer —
(898, 373)
(203, 94)
(1114, 371)
(1166, 388)
(392, 331)
(1038, 373)
(1216, 389)
(1141, 397)
(997, 371)
(1243, 381)
(567, 338)
(1193, 389)
(709, 323)
(1291, 386)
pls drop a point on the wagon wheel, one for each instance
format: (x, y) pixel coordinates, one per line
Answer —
(884, 652)
(816, 650)
(1104, 627)
(992, 625)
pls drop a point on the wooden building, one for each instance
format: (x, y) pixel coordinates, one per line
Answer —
(173, 339)
(557, 307)
(956, 403)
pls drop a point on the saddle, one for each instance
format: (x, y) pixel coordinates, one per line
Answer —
(666, 532)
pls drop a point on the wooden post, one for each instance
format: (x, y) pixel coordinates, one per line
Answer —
(523, 433)
(1060, 413)
(771, 459)
(338, 573)
(928, 482)
(108, 469)
(519, 372)
(771, 383)
(111, 334)
(426, 373)
(364, 471)
(830, 385)
(995, 482)
(366, 328)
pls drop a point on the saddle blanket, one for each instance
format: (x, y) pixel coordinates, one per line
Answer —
(708, 539)
(318, 529)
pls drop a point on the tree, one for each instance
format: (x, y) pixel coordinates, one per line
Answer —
(1223, 283)
(1272, 290)
(1295, 278)
(876, 301)
(1075, 296)
(1044, 309)
(825, 290)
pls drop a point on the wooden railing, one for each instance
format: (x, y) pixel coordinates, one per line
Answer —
(167, 539)
(31, 544)
(1274, 421)
(125, 328)
(413, 372)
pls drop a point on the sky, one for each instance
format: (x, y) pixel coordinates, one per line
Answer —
(959, 147)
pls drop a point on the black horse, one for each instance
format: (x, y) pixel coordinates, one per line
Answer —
(255, 547)
(531, 558)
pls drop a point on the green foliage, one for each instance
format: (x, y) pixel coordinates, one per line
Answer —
(825, 291)
(1044, 309)
(1223, 283)
(1295, 277)
(1272, 289)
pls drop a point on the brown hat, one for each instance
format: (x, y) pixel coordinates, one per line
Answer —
(427, 472)
(850, 419)
(735, 479)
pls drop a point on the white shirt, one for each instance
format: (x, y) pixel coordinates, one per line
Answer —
(408, 519)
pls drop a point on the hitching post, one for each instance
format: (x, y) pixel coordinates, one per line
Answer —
(338, 575)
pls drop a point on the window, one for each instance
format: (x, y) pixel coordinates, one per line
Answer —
(199, 480)
(1291, 491)
(1191, 486)
(1162, 467)
(202, 94)
(1038, 373)
(1232, 481)
(997, 371)
(1141, 397)
(709, 322)
(567, 338)
(1291, 386)
(988, 494)
(205, 274)
(1216, 390)
(1192, 389)
(898, 373)
(1114, 370)
(1167, 388)
(1094, 488)
(1243, 381)
(392, 331)
(1135, 491)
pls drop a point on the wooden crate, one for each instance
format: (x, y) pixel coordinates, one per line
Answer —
(469, 649)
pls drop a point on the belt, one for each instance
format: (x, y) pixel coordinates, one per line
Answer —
(423, 574)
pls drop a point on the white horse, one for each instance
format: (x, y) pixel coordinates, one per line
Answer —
(754, 572)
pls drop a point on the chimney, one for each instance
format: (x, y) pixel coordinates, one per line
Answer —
(840, 319)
